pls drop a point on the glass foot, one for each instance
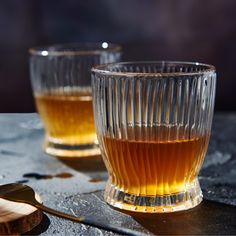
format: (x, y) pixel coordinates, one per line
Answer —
(154, 204)
(71, 151)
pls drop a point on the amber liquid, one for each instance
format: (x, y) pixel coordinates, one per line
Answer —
(154, 167)
(68, 118)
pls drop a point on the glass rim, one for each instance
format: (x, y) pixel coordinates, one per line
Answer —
(77, 49)
(104, 69)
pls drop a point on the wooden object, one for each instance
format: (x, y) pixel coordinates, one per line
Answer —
(18, 218)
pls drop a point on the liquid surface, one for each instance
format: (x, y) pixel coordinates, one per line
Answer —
(154, 167)
(68, 117)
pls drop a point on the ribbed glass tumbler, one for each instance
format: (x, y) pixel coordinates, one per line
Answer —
(153, 121)
(61, 81)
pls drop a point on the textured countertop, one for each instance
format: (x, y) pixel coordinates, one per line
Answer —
(76, 186)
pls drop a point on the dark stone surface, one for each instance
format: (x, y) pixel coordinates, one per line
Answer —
(76, 186)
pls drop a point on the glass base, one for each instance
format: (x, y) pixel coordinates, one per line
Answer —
(71, 151)
(154, 204)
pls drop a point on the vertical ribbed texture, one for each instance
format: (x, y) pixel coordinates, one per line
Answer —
(60, 73)
(153, 131)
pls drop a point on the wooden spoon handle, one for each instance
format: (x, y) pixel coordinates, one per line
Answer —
(100, 225)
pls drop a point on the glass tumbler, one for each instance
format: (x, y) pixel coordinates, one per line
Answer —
(61, 81)
(153, 121)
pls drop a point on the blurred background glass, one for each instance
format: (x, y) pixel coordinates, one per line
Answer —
(61, 81)
(185, 30)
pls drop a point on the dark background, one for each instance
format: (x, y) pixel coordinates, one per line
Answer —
(186, 30)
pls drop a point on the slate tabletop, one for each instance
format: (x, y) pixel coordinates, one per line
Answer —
(76, 186)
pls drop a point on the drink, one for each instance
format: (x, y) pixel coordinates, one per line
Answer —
(68, 117)
(155, 167)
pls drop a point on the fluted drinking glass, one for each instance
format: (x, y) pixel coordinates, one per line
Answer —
(61, 81)
(153, 121)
